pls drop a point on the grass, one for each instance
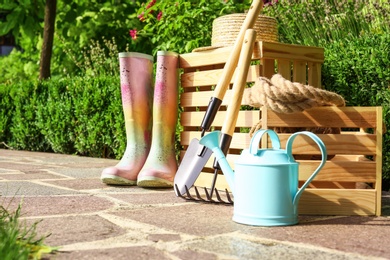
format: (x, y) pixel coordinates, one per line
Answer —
(19, 241)
(318, 23)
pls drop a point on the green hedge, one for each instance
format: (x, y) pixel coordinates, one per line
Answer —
(359, 70)
(72, 115)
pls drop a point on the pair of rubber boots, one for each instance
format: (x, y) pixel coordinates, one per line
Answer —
(150, 121)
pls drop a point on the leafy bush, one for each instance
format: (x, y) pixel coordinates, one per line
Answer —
(182, 25)
(7, 108)
(358, 69)
(26, 135)
(19, 66)
(71, 115)
(100, 125)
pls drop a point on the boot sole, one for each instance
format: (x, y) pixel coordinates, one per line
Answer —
(154, 182)
(116, 180)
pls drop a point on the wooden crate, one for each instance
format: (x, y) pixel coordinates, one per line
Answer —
(350, 183)
(334, 191)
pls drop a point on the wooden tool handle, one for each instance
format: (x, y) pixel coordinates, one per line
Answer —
(231, 63)
(239, 82)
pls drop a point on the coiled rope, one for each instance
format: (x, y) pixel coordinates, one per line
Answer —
(283, 96)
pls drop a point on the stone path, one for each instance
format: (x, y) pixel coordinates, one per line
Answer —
(90, 220)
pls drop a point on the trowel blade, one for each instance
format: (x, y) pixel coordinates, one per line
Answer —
(191, 166)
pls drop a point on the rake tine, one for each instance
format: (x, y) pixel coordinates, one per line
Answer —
(198, 195)
(230, 201)
(228, 196)
(218, 197)
(181, 196)
(178, 192)
(208, 195)
(189, 194)
(199, 198)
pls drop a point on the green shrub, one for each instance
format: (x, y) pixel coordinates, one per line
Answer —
(83, 116)
(79, 115)
(19, 66)
(26, 135)
(358, 69)
(100, 125)
(7, 108)
(55, 117)
(182, 25)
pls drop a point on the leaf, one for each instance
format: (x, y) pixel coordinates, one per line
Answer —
(25, 3)
(29, 27)
(13, 19)
(70, 16)
(8, 6)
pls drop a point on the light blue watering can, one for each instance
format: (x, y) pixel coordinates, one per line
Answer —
(265, 181)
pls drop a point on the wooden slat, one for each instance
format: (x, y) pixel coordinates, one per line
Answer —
(202, 98)
(244, 119)
(284, 68)
(337, 202)
(273, 50)
(359, 143)
(348, 171)
(197, 59)
(211, 57)
(360, 117)
(314, 74)
(378, 159)
(267, 50)
(268, 68)
(239, 140)
(299, 72)
(335, 144)
(211, 77)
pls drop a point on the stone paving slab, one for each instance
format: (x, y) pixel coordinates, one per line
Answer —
(90, 220)
(59, 205)
(30, 188)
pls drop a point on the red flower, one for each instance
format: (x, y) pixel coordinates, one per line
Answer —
(159, 16)
(269, 2)
(133, 34)
(141, 17)
(151, 3)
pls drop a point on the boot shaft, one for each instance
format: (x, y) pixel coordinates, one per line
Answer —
(136, 72)
(136, 78)
(166, 88)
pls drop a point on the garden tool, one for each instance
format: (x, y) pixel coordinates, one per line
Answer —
(136, 70)
(265, 181)
(197, 155)
(227, 128)
(161, 165)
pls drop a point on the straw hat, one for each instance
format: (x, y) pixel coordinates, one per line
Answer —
(226, 29)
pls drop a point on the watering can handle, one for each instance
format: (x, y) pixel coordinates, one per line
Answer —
(322, 147)
(254, 145)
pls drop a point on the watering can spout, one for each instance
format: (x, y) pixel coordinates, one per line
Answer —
(211, 141)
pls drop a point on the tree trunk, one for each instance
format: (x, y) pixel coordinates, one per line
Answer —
(48, 35)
